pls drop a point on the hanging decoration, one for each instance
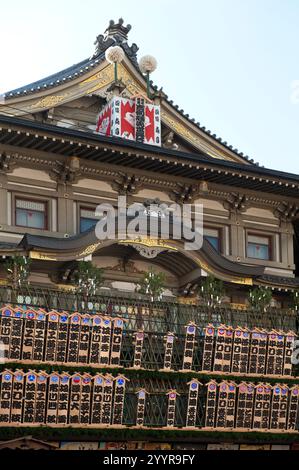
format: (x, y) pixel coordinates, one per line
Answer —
(260, 298)
(18, 271)
(211, 291)
(88, 279)
(148, 65)
(152, 285)
(115, 55)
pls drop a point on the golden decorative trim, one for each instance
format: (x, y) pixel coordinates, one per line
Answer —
(49, 101)
(41, 256)
(149, 242)
(90, 250)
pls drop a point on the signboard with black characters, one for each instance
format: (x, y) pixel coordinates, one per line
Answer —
(208, 348)
(28, 336)
(279, 407)
(171, 408)
(105, 341)
(16, 335)
(17, 397)
(275, 353)
(117, 335)
(95, 341)
(30, 398)
(139, 338)
(290, 338)
(6, 319)
(5, 396)
(189, 346)
(85, 401)
(84, 339)
(64, 397)
(211, 404)
(39, 336)
(240, 350)
(40, 399)
(262, 406)
(223, 349)
(119, 398)
(73, 338)
(141, 401)
(258, 352)
(293, 408)
(53, 398)
(52, 335)
(107, 399)
(226, 405)
(169, 342)
(245, 404)
(97, 399)
(194, 387)
(62, 338)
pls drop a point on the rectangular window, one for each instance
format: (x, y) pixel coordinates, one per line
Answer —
(88, 219)
(213, 236)
(258, 247)
(31, 214)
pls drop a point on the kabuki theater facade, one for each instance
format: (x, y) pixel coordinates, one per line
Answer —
(138, 342)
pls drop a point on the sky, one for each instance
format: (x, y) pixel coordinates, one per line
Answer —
(233, 65)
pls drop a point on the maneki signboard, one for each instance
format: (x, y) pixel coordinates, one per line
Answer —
(135, 119)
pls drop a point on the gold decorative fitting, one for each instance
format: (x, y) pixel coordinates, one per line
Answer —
(49, 101)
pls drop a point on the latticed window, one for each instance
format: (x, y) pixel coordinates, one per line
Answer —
(88, 219)
(32, 214)
(259, 247)
(213, 236)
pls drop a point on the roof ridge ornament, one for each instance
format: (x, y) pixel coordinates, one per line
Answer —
(116, 35)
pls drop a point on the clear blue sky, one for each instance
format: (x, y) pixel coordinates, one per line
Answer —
(230, 64)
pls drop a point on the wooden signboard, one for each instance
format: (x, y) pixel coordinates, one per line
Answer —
(64, 394)
(208, 348)
(258, 352)
(279, 407)
(85, 404)
(240, 351)
(141, 400)
(194, 387)
(119, 399)
(245, 404)
(226, 405)
(41, 396)
(117, 336)
(6, 318)
(290, 338)
(293, 408)
(97, 399)
(28, 336)
(62, 338)
(95, 341)
(53, 399)
(171, 408)
(139, 339)
(73, 338)
(189, 346)
(105, 341)
(75, 399)
(51, 337)
(17, 397)
(275, 356)
(107, 400)
(5, 396)
(223, 349)
(211, 404)
(168, 341)
(262, 405)
(84, 339)
(30, 398)
(39, 337)
(16, 336)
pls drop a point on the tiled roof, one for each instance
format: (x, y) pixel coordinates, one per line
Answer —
(114, 36)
